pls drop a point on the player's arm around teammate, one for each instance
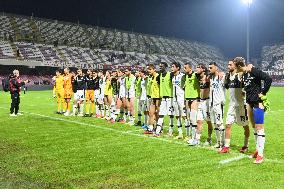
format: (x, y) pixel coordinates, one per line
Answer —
(237, 112)
(256, 102)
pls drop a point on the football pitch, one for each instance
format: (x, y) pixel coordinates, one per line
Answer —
(41, 149)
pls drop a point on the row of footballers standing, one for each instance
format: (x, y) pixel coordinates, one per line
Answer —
(191, 97)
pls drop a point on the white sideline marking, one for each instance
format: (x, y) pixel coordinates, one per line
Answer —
(130, 132)
(225, 161)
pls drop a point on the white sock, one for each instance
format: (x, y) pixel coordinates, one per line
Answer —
(97, 109)
(151, 127)
(255, 138)
(74, 108)
(160, 121)
(217, 134)
(158, 129)
(198, 136)
(179, 125)
(260, 141)
(227, 142)
(171, 130)
(193, 121)
(193, 131)
(82, 108)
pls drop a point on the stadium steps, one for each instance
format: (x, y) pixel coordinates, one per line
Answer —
(36, 31)
(61, 55)
(15, 28)
(15, 50)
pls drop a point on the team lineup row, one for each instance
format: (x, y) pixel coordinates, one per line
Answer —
(191, 97)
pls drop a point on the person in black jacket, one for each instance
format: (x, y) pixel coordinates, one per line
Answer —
(256, 101)
(15, 84)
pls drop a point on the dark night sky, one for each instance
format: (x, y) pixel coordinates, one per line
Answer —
(217, 22)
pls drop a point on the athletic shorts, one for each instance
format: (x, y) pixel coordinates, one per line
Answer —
(68, 94)
(179, 107)
(238, 115)
(90, 95)
(203, 113)
(122, 93)
(166, 107)
(217, 114)
(130, 94)
(100, 98)
(59, 95)
(79, 95)
(97, 93)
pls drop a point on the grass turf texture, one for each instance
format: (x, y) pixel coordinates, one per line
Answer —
(41, 150)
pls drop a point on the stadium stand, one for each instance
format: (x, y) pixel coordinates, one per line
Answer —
(56, 43)
(273, 62)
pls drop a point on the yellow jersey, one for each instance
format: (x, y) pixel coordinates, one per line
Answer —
(108, 88)
(155, 88)
(59, 83)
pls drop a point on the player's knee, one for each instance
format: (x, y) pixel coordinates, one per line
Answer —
(258, 115)
(228, 126)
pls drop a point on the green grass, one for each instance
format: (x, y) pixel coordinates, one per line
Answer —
(37, 151)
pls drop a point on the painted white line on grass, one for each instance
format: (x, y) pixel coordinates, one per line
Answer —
(222, 162)
(274, 161)
(226, 161)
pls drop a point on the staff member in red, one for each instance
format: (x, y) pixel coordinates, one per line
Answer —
(15, 88)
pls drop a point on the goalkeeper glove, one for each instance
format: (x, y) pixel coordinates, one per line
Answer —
(265, 103)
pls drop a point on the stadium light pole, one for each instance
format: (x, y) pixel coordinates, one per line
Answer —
(248, 4)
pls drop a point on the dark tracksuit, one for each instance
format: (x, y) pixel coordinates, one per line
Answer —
(15, 89)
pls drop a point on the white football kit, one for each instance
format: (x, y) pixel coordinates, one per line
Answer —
(237, 112)
(217, 99)
(178, 95)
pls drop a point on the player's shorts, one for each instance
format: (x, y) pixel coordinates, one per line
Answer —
(90, 95)
(238, 115)
(122, 93)
(100, 98)
(97, 93)
(130, 94)
(68, 94)
(217, 114)
(203, 112)
(179, 107)
(166, 107)
(59, 95)
(79, 95)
